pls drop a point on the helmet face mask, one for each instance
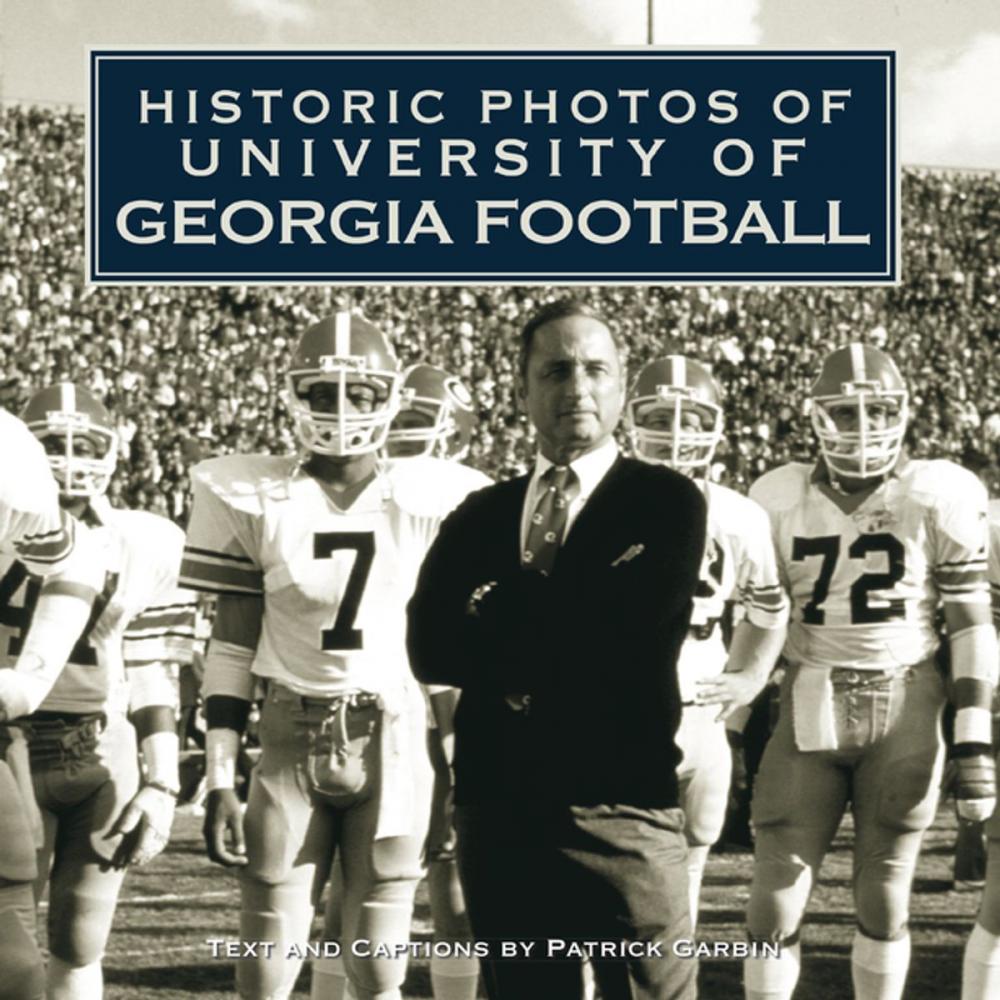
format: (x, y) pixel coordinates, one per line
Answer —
(334, 359)
(80, 444)
(435, 416)
(674, 416)
(859, 410)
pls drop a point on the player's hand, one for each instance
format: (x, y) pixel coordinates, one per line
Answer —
(975, 786)
(224, 824)
(144, 826)
(730, 691)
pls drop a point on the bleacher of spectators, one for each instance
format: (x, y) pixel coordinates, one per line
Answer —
(197, 371)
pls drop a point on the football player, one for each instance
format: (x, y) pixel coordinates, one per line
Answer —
(314, 558)
(435, 422)
(981, 965)
(870, 545)
(674, 417)
(47, 541)
(98, 813)
(436, 417)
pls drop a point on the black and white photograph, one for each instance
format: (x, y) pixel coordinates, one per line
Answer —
(499, 500)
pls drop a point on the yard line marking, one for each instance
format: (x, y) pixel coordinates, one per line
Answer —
(150, 951)
(168, 897)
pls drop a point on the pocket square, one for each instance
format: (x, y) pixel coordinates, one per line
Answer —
(629, 554)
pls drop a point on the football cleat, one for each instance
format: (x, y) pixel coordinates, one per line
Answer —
(858, 409)
(78, 435)
(674, 414)
(343, 386)
(436, 416)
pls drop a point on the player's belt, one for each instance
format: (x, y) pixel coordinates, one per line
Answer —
(59, 736)
(351, 699)
(842, 677)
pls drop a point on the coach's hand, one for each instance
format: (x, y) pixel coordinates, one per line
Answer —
(144, 826)
(224, 823)
(975, 786)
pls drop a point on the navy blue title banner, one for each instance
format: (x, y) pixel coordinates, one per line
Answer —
(470, 167)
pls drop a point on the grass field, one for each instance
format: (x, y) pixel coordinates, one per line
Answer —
(171, 907)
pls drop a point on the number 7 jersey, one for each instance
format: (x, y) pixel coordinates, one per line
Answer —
(865, 585)
(335, 583)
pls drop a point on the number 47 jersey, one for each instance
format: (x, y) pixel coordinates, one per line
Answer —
(865, 585)
(335, 583)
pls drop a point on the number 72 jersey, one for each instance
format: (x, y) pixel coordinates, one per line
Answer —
(865, 585)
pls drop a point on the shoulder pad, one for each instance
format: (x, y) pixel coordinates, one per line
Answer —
(432, 487)
(734, 504)
(781, 488)
(994, 512)
(941, 479)
(240, 480)
(152, 535)
(32, 489)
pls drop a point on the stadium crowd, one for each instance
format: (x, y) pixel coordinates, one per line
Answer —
(197, 371)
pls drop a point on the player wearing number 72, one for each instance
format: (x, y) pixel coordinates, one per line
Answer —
(869, 545)
(313, 559)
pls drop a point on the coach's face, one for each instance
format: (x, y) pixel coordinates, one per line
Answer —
(573, 387)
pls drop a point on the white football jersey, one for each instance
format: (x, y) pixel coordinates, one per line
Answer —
(739, 565)
(31, 523)
(865, 586)
(994, 560)
(139, 621)
(335, 582)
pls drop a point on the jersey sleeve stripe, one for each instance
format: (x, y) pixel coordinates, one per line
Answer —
(214, 554)
(208, 575)
(979, 560)
(45, 552)
(960, 588)
(162, 619)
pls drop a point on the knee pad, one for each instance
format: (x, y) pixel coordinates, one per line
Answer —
(23, 971)
(81, 911)
(384, 919)
(275, 918)
(778, 900)
(448, 914)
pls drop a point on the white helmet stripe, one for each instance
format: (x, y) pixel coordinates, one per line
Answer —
(342, 334)
(678, 369)
(67, 397)
(858, 363)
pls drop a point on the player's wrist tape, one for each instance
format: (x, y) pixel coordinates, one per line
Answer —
(973, 725)
(18, 694)
(974, 653)
(159, 756)
(227, 670)
(221, 749)
(173, 792)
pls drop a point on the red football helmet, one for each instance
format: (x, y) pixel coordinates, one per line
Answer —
(78, 435)
(864, 382)
(674, 414)
(352, 356)
(435, 417)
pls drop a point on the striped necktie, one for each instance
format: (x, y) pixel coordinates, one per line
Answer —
(560, 486)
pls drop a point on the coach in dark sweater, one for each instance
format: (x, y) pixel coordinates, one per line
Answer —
(558, 603)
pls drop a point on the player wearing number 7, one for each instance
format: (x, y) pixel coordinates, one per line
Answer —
(870, 545)
(314, 558)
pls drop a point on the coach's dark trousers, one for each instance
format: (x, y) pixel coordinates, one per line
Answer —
(543, 878)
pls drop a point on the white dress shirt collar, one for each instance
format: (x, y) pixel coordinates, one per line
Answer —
(590, 469)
